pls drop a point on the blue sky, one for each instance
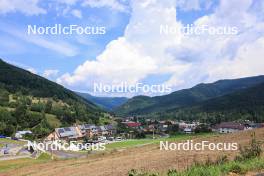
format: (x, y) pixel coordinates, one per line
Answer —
(29, 55)
(133, 50)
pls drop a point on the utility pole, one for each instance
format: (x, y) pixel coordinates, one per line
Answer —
(153, 132)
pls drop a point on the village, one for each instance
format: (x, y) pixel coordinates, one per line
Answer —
(121, 131)
(135, 128)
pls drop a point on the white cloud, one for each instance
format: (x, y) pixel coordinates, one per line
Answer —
(113, 4)
(32, 70)
(135, 55)
(50, 73)
(76, 13)
(28, 7)
(188, 59)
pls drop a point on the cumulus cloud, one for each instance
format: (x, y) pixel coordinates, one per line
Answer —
(135, 55)
(28, 7)
(189, 59)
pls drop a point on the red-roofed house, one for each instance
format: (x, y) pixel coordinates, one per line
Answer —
(229, 127)
(132, 124)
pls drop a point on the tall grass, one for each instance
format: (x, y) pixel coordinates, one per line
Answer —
(238, 167)
(249, 159)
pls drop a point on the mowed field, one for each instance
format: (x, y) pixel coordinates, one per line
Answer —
(119, 162)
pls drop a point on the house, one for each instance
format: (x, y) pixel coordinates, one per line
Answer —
(102, 131)
(183, 125)
(89, 130)
(132, 124)
(252, 125)
(229, 127)
(188, 130)
(110, 129)
(65, 133)
(20, 134)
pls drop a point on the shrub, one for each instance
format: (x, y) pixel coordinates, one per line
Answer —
(221, 159)
(252, 151)
(172, 172)
(236, 168)
(134, 172)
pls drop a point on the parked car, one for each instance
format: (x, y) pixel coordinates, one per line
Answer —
(101, 138)
(14, 138)
(111, 138)
(2, 136)
(6, 152)
(118, 139)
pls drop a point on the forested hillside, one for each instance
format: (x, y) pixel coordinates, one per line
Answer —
(28, 101)
(141, 105)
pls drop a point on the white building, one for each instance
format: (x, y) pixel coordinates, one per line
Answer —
(20, 134)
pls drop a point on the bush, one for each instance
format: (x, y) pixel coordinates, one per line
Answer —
(134, 172)
(13, 104)
(252, 151)
(236, 168)
(172, 172)
(221, 159)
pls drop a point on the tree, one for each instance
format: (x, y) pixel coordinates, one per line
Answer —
(4, 98)
(203, 128)
(173, 129)
(20, 115)
(48, 106)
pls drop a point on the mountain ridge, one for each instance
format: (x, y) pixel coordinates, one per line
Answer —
(107, 103)
(185, 97)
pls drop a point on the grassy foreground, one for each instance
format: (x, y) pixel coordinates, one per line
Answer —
(18, 163)
(237, 167)
(249, 159)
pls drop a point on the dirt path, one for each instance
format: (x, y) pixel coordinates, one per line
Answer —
(148, 158)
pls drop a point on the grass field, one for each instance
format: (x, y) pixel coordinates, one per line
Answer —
(15, 164)
(53, 121)
(10, 141)
(141, 142)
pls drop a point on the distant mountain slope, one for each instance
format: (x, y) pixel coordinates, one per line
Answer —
(187, 97)
(242, 104)
(107, 103)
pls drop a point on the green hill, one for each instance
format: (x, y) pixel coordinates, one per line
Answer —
(29, 101)
(142, 105)
(244, 104)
